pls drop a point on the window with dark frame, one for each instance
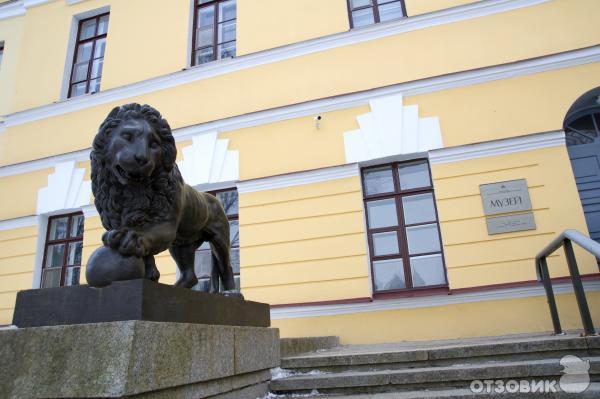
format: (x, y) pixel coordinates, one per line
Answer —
(402, 224)
(214, 30)
(368, 12)
(62, 253)
(88, 60)
(203, 261)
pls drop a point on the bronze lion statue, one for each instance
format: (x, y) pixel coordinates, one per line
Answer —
(146, 207)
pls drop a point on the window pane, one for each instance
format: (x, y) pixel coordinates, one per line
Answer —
(103, 25)
(97, 68)
(77, 226)
(206, 16)
(95, 85)
(205, 37)
(229, 200)
(390, 11)
(234, 233)
(236, 279)
(74, 258)
(361, 3)
(362, 17)
(388, 274)
(203, 285)
(51, 278)
(204, 55)
(88, 29)
(80, 71)
(58, 228)
(55, 255)
(72, 276)
(78, 89)
(382, 213)
(227, 50)
(227, 31)
(418, 208)
(427, 270)
(385, 243)
(423, 239)
(203, 263)
(414, 175)
(227, 10)
(378, 181)
(84, 52)
(99, 50)
(235, 260)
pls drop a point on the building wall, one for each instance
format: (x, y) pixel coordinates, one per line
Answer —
(302, 224)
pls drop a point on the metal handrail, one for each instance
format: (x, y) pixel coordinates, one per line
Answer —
(565, 240)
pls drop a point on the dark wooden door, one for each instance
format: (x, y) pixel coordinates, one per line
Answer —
(585, 159)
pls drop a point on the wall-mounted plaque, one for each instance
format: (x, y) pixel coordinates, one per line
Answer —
(505, 197)
(510, 223)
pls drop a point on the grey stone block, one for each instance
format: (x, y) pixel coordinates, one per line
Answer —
(133, 357)
(249, 355)
(296, 346)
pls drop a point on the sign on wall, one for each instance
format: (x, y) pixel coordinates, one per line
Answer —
(503, 198)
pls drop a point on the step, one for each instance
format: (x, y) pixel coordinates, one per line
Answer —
(458, 376)
(443, 353)
(592, 392)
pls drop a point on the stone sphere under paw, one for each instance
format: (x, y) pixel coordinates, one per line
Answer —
(107, 265)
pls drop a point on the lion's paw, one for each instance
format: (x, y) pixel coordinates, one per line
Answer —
(132, 245)
(112, 238)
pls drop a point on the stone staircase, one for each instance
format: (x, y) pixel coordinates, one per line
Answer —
(445, 369)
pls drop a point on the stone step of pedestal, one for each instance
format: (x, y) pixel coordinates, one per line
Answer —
(457, 376)
(442, 353)
(592, 392)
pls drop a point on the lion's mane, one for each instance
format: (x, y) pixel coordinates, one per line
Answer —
(134, 205)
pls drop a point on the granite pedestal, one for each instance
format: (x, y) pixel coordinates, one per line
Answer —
(182, 357)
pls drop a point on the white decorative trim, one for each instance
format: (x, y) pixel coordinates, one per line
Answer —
(498, 147)
(66, 189)
(207, 160)
(459, 79)
(299, 178)
(89, 211)
(425, 302)
(13, 9)
(44, 163)
(17, 223)
(391, 128)
(33, 3)
(221, 67)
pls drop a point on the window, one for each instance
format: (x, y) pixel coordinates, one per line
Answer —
(214, 30)
(1, 52)
(203, 261)
(367, 12)
(62, 253)
(89, 55)
(402, 225)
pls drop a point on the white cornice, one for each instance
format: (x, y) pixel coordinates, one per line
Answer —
(44, 163)
(17, 8)
(497, 147)
(17, 223)
(206, 71)
(297, 179)
(12, 9)
(460, 79)
(425, 302)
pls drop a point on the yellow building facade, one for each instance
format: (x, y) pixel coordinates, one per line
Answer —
(358, 137)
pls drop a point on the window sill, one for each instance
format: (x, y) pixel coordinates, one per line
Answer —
(414, 292)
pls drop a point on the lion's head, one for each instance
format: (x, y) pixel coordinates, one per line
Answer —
(133, 167)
